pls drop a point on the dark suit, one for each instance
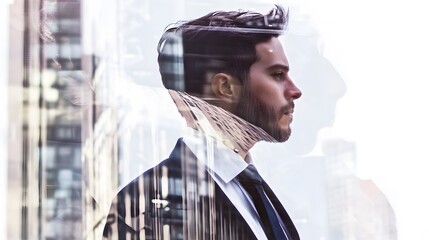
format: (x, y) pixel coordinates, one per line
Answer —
(177, 198)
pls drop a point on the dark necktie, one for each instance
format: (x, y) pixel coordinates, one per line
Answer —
(253, 183)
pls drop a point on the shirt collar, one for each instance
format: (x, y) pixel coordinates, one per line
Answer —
(218, 158)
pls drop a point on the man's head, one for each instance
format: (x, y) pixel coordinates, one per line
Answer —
(235, 61)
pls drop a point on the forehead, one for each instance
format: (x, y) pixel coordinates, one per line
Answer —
(271, 53)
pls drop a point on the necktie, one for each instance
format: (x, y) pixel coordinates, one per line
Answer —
(253, 183)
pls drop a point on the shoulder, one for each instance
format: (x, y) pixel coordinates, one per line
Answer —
(150, 175)
(134, 207)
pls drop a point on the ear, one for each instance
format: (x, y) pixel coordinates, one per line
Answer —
(226, 87)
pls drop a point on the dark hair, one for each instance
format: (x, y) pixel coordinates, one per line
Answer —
(217, 42)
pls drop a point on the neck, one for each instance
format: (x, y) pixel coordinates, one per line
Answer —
(234, 132)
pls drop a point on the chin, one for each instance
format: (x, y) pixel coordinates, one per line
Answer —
(281, 135)
(284, 138)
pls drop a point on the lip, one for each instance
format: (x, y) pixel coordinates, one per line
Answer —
(287, 116)
(289, 112)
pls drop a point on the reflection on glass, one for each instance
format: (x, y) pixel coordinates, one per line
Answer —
(48, 184)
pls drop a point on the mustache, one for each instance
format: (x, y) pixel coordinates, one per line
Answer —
(287, 108)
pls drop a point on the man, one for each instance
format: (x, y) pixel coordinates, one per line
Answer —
(234, 91)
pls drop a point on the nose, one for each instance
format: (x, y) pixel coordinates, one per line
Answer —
(292, 91)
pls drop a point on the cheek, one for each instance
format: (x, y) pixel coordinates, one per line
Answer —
(268, 91)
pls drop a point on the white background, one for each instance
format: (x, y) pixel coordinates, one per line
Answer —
(380, 48)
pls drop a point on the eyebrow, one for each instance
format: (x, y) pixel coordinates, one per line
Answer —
(275, 66)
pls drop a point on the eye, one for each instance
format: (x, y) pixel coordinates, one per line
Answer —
(279, 75)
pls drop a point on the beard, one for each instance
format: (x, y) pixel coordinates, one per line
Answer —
(251, 109)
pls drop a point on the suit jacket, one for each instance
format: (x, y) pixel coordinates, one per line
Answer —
(177, 199)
